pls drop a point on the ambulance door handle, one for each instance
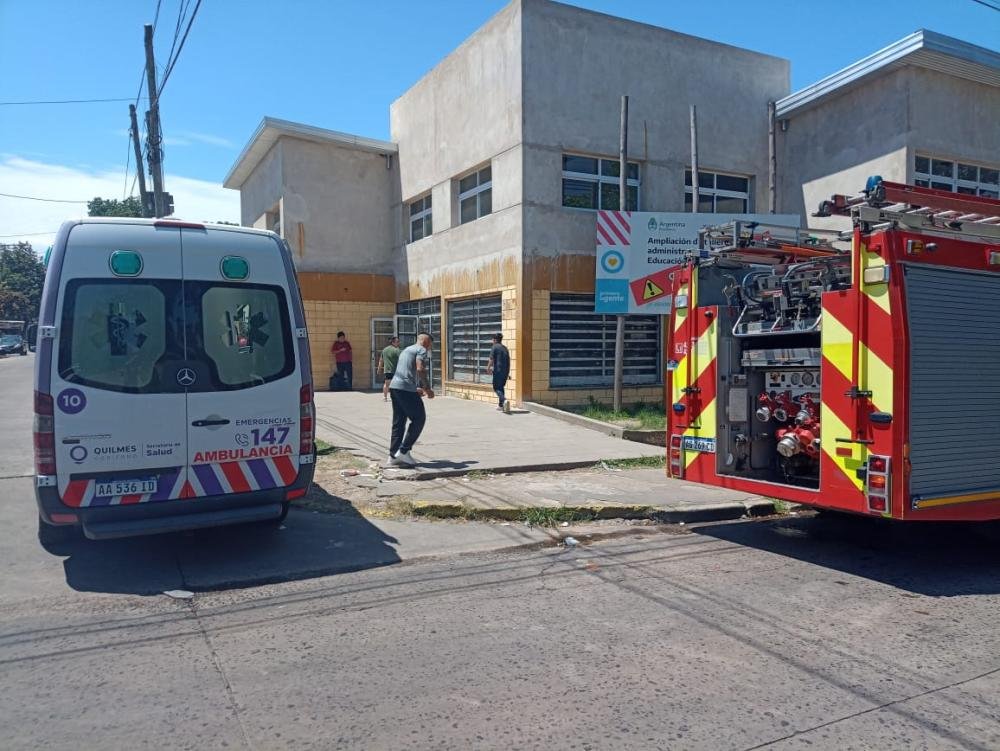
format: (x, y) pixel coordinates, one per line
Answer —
(209, 423)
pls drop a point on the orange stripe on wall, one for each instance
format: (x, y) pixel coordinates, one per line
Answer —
(348, 287)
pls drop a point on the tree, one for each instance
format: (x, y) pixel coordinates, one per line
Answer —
(22, 276)
(131, 206)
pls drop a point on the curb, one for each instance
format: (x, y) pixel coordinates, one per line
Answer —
(686, 513)
(648, 437)
(435, 474)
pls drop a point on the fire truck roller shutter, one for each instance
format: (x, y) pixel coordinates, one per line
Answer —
(954, 323)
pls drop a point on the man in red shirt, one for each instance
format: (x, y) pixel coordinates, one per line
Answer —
(341, 350)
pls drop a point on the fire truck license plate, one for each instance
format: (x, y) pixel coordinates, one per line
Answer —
(126, 487)
(704, 445)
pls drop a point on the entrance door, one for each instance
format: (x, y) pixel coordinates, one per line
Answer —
(431, 323)
(383, 330)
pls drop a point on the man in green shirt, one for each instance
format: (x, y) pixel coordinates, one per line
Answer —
(387, 364)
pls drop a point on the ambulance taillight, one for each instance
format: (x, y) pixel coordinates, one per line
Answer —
(44, 435)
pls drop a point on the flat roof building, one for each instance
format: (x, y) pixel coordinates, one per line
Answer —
(479, 215)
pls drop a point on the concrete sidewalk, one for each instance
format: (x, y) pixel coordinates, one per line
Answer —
(596, 493)
(465, 436)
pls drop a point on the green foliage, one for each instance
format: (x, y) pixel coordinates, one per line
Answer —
(131, 206)
(647, 416)
(639, 462)
(22, 276)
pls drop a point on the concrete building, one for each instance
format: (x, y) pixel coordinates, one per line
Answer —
(479, 215)
(924, 110)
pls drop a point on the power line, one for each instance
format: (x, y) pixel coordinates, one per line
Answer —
(36, 198)
(30, 234)
(987, 5)
(171, 63)
(67, 101)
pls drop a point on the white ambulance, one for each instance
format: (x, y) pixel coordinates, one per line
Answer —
(173, 385)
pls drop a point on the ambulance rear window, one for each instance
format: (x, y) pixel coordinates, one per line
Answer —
(114, 332)
(244, 332)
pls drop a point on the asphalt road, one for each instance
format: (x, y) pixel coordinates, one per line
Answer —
(799, 633)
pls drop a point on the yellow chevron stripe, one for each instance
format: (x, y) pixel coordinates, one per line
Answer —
(837, 343)
(878, 379)
(707, 430)
(681, 314)
(879, 293)
(833, 427)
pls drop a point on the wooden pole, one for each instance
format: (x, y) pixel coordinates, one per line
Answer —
(622, 206)
(694, 160)
(772, 162)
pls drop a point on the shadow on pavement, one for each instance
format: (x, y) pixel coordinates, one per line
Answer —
(444, 464)
(937, 559)
(308, 544)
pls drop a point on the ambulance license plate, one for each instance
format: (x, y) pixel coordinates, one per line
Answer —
(126, 487)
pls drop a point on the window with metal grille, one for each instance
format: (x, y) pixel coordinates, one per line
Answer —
(582, 345)
(427, 306)
(471, 326)
(958, 177)
(718, 193)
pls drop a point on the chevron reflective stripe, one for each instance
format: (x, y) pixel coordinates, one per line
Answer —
(202, 480)
(614, 228)
(857, 338)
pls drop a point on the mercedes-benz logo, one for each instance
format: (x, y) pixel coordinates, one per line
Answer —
(186, 377)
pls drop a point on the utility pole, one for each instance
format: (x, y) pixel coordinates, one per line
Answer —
(139, 167)
(772, 161)
(153, 127)
(622, 206)
(694, 160)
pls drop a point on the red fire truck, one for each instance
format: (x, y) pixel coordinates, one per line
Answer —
(864, 378)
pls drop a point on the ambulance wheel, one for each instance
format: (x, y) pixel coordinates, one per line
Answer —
(57, 538)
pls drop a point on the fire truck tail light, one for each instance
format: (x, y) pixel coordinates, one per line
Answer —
(877, 483)
(675, 456)
(993, 257)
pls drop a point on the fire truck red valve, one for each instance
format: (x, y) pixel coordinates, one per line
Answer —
(778, 406)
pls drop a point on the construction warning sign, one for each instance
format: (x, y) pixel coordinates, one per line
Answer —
(637, 249)
(649, 289)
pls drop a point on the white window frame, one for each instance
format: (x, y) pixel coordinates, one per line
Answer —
(476, 192)
(717, 192)
(954, 183)
(601, 179)
(420, 216)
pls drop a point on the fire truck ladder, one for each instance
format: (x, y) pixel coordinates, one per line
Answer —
(760, 243)
(916, 207)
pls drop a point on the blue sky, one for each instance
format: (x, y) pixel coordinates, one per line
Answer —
(335, 64)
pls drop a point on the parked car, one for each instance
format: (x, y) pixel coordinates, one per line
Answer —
(173, 389)
(13, 344)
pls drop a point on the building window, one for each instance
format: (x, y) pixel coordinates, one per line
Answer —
(582, 345)
(718, 193)
(589, 182)
(420, 218)
(957, 177)
(471, 326)
(475, 195)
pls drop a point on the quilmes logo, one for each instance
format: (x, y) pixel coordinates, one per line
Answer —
(612, 262)
(652, 224)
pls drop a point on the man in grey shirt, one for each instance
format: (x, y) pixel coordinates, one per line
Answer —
(409, 384)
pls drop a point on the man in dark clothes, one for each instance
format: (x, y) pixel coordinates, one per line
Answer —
(341, 350)
(499, 366)
(408, 386)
